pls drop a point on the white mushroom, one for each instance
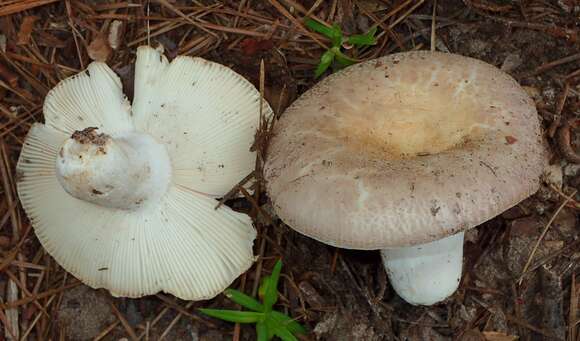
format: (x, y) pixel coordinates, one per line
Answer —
(123, 196)
(404, 153)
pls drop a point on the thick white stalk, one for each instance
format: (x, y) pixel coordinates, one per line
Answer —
(428, 273)
(127, 171)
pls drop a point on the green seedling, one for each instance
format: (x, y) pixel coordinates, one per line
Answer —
(338, 41)
(269, 322)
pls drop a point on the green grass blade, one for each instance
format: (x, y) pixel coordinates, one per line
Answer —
(271, 287)
(328, 32)
(367, 39)
(262, 288)
(341, 58)
(289, 323)
(325, 61)
(285, 334)
(234, 315)
(336, 39)
(334, 33)
(262, 332)
(244, 300)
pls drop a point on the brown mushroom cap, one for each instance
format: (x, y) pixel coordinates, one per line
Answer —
(403, 150)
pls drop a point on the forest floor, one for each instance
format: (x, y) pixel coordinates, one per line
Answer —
(337, 294)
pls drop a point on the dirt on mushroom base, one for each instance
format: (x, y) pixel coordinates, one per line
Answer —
(334, 287)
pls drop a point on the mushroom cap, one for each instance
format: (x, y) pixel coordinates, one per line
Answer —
(205, 115)
(403, 150)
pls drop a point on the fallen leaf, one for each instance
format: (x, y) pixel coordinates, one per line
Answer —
(499, 336)
(99, 49)
(25, 30)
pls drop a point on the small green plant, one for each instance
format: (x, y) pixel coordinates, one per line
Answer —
(269, 323)
(338, 40)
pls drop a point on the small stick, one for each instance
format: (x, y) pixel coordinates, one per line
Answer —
(153, 323)
(256, 206)
(106, 331)
(573, 315)
(259, 265)
(559, 108)
(543, 235)
(433, 26)
(298, 24)
(23, 6)
(230, 194)
(45, 294)
(564, 140)
(166, 4)
(75, 32)
(25, 335)
(174, 321)
(545, 67)
(556, 254)
(124, 322)
(170, 303)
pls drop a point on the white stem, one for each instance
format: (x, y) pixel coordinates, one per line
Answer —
(428, 273)
(127, 171)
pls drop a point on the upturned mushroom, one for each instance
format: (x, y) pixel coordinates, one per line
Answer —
(403, 154)
(123, 196)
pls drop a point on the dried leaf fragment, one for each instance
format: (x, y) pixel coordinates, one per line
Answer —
(25, 31)
(99, 49)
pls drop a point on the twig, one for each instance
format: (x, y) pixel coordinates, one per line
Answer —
(124, 322)
(256, 207)
(564, 140)
(550, 65)
(573, 313)
(546, 228)
(153, 323)
(515, 320)
(174, 321)
(232, 192)
(554, 31)
(38, 316)
(170, 303)
(23, 5)
(559, 108)
(295, 21)
(259, 265)
(12, 314)
(531, 327)
(556, 254)
(484, 5)
(433, 26)
(174, 9)
(106, 331)
(75, 33)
